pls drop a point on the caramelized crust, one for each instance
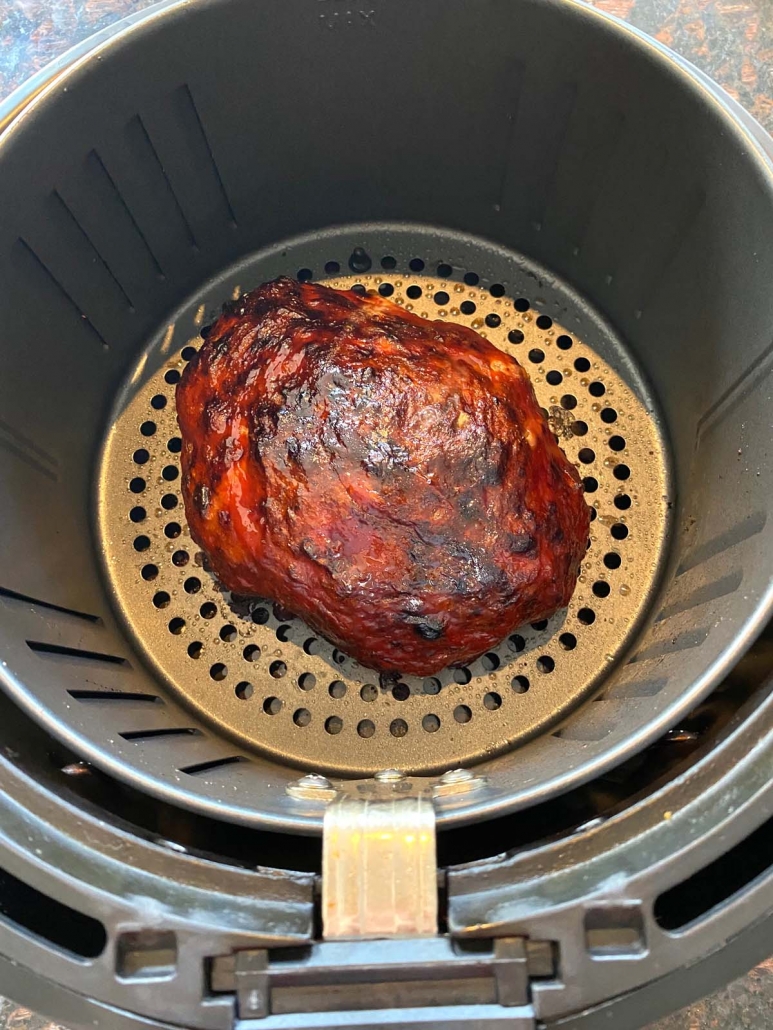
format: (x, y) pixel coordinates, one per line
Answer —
(390, 479)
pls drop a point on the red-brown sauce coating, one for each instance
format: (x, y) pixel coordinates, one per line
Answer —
(390, 479)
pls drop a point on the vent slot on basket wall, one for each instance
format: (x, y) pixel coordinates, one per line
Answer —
(65, 927)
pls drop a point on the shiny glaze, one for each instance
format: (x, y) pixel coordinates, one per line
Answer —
(390, 479)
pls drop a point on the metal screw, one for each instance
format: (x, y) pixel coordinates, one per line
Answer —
(311, 787)
(457, 781)
(313, 780)
(457, 776)
(389, 776)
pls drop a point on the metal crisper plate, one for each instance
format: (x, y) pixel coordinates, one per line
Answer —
(268, 680)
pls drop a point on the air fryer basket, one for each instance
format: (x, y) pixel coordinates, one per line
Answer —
(612, 200)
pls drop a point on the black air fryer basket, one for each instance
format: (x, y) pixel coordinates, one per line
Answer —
(597, 785)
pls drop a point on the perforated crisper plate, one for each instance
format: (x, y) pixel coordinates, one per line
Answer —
(274, 684)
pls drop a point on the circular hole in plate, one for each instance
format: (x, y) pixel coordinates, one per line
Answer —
(277, 670)
(462, 713)
(398, 727)
(334, 724)
(244, 690)
(366, 728)
(218, 671)
(272, 706)
(337, 689)
(430, 723)
(520, 684)
(301, 717)
(492, 701)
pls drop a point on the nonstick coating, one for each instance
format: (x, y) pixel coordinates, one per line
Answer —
(265, 677)
(558, 142)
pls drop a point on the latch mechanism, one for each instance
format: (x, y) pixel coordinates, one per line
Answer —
(481, 983)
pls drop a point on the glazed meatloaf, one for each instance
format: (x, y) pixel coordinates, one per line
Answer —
(390, 479)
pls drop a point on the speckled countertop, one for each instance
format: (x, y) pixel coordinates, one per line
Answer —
(731, 40)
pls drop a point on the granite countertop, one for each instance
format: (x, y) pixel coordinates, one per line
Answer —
(731, 40)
